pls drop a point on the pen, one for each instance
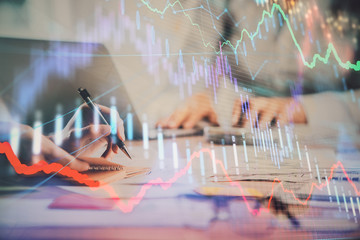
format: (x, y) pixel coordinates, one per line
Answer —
(92, 105)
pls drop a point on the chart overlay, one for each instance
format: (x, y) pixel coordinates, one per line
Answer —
(275, 8)
(128, 206)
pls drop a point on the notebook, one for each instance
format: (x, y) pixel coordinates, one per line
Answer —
(105, 171)
(101, 172)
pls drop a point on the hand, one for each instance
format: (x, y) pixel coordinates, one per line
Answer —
(195, 109)
(269, 111)
(93, 137)
(49, 151)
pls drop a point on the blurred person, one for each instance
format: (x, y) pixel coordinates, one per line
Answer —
(299, 108)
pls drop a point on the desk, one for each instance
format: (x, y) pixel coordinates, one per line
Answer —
(173, 211)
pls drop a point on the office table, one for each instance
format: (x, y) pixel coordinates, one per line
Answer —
(174, 209)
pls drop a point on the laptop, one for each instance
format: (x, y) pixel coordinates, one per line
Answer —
(43, 76)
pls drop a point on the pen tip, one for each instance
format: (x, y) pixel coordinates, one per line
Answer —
(124, 150)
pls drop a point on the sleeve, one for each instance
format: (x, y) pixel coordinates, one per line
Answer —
(333, 109)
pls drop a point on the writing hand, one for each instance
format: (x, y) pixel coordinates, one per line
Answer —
(92, 137)
(48, 150)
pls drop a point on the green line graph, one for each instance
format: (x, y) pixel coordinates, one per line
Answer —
(275, 7)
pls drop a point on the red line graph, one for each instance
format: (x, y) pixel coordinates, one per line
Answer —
(43, 166)
(51, 168)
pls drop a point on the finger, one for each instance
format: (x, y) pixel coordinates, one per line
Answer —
(273, 121)
(257, 119)
(53, 153)
(79, 165)
(177, 118)
(88, 118)
(162, 122)
(261, 111)
(266, 118)
(120, 131)
(98, 139)
(236, 112)
(213, 117)
(273, 109)
(92, 139)
(66, 159)
(283, 118)
(115, 148)
(120, 127)
(107, 112)
(108, 154)
(91, 131)
(192, 120)
(251, 109)
(96, 133)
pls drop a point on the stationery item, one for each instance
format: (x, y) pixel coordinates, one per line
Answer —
(92, 105)
(105, 171)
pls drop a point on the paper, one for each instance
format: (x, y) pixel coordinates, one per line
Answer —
(112, 171)
(292, 170)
